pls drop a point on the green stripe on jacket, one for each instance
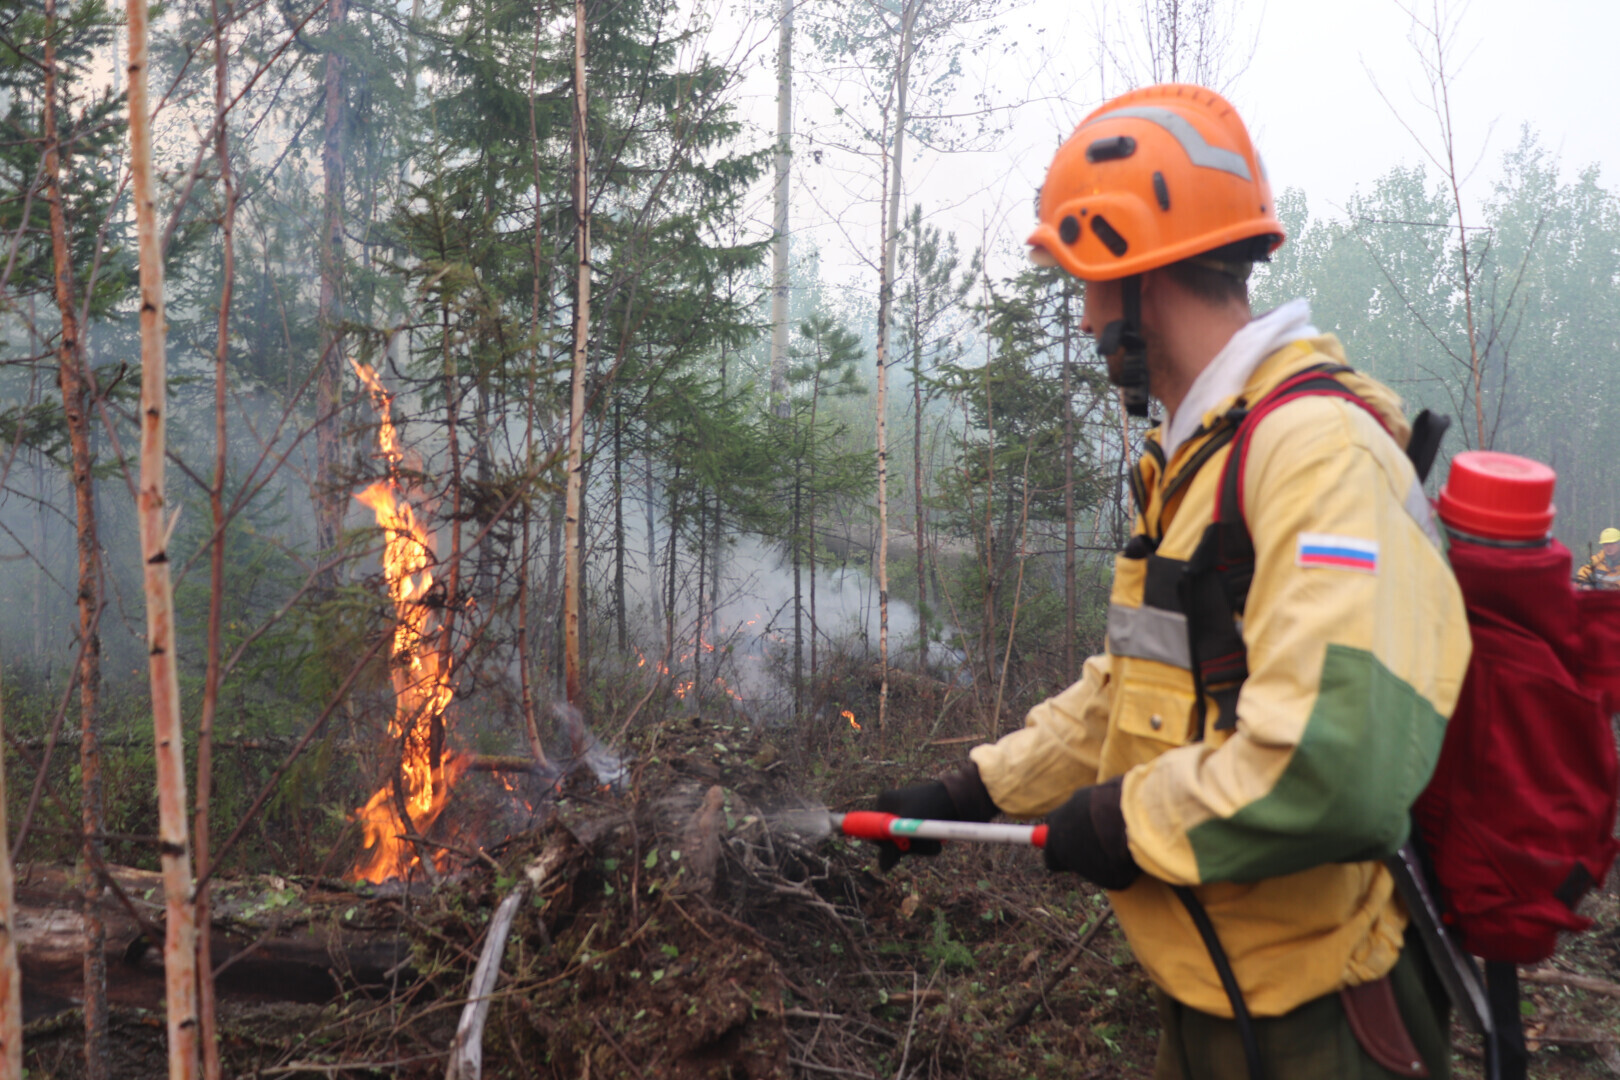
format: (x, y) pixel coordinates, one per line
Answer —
(1367, 751)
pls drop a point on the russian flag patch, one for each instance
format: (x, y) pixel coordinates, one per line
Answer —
(1337, 552)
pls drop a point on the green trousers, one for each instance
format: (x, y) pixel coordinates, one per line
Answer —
(1314, 1042)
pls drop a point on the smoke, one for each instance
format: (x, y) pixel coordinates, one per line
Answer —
(742, 643)
(585, 748)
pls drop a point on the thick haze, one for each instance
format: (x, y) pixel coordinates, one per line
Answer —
(1308, 96)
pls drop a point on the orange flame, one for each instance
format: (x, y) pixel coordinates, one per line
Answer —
(847, 715)
(418, 670)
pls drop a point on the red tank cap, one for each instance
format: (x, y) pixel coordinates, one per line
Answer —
(1498, 496)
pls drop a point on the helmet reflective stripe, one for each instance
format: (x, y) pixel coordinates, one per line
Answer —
(1198, 150)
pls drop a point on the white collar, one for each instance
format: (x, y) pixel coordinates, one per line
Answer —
(1227, 374)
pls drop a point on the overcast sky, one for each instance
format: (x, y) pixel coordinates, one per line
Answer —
(1307, 95)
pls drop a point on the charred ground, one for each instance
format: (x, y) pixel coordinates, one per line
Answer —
(686, 932)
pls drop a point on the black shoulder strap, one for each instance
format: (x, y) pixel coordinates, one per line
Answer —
(1215, 588)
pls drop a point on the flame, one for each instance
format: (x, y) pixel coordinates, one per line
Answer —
(847, 715)
(681, 687)
(419, 671)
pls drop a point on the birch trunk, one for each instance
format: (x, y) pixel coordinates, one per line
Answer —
(1070, 591)
(11, 1025)
(180, 945)
(780, 245)
(330, 503)
(208, 1031)
(919, 522)
(572, 576)
(891, 240)
(75, 409)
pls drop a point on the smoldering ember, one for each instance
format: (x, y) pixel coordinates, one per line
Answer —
(523, 528)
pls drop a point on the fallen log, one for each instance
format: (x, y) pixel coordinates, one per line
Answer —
(272, 941)
(1555, 977)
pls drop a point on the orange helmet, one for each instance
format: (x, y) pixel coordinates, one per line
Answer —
(1153, 177)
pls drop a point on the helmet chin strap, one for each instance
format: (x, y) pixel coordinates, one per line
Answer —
(1124, 336)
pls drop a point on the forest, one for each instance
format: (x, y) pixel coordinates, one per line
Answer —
(437, 484)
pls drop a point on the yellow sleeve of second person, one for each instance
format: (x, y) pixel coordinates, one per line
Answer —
(1036, 768)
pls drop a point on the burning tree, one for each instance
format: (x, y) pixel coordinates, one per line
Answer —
(410, 801)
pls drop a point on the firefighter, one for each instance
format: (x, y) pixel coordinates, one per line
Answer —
(1603, 571)
(1268, 804)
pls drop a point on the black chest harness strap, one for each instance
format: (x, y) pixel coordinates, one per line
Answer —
(1211, 589)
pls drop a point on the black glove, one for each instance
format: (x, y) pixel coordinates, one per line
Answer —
(1086, 836)
(960, 796)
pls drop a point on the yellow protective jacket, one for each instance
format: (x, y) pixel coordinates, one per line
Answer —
(1600, 572)
(1279, 823)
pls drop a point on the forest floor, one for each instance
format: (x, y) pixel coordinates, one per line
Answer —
(683, 930)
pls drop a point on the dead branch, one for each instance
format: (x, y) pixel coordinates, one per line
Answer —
(1023, 1015)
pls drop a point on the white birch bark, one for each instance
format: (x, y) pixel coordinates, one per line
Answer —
(572, 583)
(891, 240)
(179, 947)
(780, 245)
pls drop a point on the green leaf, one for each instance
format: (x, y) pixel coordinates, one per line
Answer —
(651, 860)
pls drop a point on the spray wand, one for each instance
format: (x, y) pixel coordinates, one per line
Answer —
(875, 825)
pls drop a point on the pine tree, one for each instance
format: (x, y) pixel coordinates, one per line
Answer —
(825, 365)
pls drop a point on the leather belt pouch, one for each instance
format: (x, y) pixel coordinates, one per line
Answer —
(1375, 1018)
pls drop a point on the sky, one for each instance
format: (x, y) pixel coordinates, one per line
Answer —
(1309, 93)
